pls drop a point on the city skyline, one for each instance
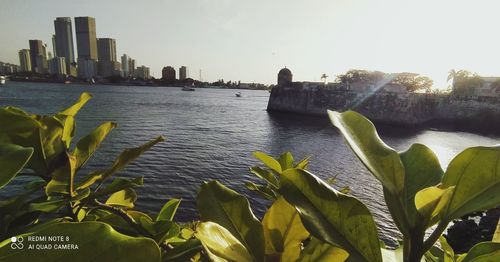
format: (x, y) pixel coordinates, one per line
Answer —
(251, 41)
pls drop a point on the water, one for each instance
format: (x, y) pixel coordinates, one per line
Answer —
(211, 134)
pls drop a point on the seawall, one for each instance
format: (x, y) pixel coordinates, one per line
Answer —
(390, 107)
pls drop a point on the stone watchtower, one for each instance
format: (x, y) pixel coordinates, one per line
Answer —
(285, 77)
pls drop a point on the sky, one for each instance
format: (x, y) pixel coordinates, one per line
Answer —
(251, 40)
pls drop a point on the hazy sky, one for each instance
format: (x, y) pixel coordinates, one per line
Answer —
(252, 40)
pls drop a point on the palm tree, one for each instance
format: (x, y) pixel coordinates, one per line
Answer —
(324, 77)
(451, 75)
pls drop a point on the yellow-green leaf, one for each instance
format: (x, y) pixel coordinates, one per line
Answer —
(168, 210)
(124, 198)
(382, 161)
(222, 243)
(73, 109)
(283, 231)
(87, 145)
(269, 161)
(12, 160)
(317, 251)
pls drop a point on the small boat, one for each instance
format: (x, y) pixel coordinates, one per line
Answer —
(238, 94)
(67, 82)
(2, 80)
(188, 88)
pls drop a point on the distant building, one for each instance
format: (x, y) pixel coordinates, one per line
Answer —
(489, 87)
(125, 64)
(57, 66)
(38, 57)
(7, 68)
(285, 77)
(106, 53)
(62, 41)
(182, 73)
(168, 74)
(87, 68)
(25, 60)
(142, 72)
(131, 67)
(86, 43)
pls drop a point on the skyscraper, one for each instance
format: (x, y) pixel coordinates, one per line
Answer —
(25, 60)
(86, 43)
(125, 64)
(168, 74)
(38, 57)
(64, 40)
(131, 66)
(106, 53)
(182, 73)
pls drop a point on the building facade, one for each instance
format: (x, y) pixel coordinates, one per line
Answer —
(106, 53)
(142, 72)
(63, 41)
(182, 73)
(168, 74)
(38, 57)
(125, 63)
(25, 60)
(86, 43)
(57, 66)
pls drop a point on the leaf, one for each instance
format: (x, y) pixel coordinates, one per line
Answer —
(422, 169)
(317, 251)
(165, 230)
(286, 161)
(335, 218)
(63, 177)
(117, 185)
(382, 161)
(13, 158)
(95, 240)
(87, 145)
(168, 210)
(283, 231)
(184, 251)
(124, 198)
(430, 201)
(127, 156)
(73, 109)
(55, 204)
(475, 173)
(221, 242)
(264, 191)
(483, 252)
(268, 161)
(393, 255)
(15, 121)
(231, 210)
(496, 235)
(266, 175)
(303, 163)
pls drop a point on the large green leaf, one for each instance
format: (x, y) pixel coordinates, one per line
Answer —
(475, 173)
(67, 118)
(483, 252)
(382, 161)
(96, 242)
(124, 198)
(317, 251)
(73, 109)
(231, 210)
(87, 145)
(269, 161)
(331, 216)
(168, 210)
(117, 185)
(283, 231)
(127, 156)
(222, 243)
(12, 160)
(63, 177)
(266, 175)
(15, 121)
(286, 161)
(184, 252)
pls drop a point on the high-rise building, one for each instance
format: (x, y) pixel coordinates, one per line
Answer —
(142, 72)
(106, 53)
(182, 73)
(38, 57)
(131, 66)
(86, 40)
(63, 40)
(25, 60)
(54, 45)
(86, 44)
(125, 64)
(168, 74)
(57, 66)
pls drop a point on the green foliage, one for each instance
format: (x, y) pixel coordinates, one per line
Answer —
(12, 160)
(413, 82)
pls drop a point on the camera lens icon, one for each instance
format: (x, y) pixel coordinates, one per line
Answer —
(17, 243)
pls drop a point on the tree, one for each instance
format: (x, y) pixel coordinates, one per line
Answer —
(465, 82)
(413, 82)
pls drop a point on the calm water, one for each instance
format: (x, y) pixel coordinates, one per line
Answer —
(211, 134)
